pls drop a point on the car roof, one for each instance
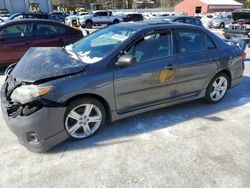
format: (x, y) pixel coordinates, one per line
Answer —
(156, 24)
(12, 22)
(175, 17)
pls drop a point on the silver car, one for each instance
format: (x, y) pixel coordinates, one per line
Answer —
(220, 21)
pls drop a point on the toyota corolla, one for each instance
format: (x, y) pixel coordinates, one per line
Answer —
(53, 94)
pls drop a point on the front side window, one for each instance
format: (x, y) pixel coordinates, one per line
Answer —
(153, 46)
(191, 41)
(49, 30)
(100, 44)
(14, 31)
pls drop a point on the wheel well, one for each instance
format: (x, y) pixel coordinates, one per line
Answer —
(89, 21)
(228, 73)
(116, 20)
(93, 96)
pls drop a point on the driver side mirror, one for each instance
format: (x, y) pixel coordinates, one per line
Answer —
(126, 60)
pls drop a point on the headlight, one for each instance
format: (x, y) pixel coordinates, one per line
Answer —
(28, 93)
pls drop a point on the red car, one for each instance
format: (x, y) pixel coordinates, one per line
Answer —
(16, 37)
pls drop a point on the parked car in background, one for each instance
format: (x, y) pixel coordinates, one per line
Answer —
(184, 19)
(4, 13)
(18, 36)
(58, 16)
(240, 28)
(132, 17)
(54, 94)
(73, 20)
(220, 21)
(26, 15)
(100, 17)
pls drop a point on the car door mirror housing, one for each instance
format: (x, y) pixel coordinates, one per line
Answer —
(126, 60)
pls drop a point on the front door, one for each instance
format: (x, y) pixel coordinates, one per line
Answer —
(152, 80)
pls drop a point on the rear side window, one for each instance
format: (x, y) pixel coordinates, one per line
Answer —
(197, 22)
(19, 30)
(190, 21)
(192, 41)
(181, 20)
(49, 30)
(153, 46)
(210, 43)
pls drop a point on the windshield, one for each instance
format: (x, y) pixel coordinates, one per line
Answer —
(100, 44)
(241, 15)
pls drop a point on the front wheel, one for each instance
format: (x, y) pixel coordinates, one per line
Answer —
(84, 117)
(217, 88)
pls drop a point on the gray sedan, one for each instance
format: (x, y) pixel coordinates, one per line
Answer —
(53, 94)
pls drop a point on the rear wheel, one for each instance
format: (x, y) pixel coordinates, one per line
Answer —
(217, 88)
(222, 25)
(116, 21)
(89, 24)
(84, 117)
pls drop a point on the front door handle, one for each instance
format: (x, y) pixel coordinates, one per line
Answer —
(169, 67)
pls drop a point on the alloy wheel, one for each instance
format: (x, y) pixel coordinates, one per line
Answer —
(219, 88)
(83, 120)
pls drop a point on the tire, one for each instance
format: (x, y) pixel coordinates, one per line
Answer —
(116, 21)
(215, 94)
(222, 25)
(89, 24)
(84, 117)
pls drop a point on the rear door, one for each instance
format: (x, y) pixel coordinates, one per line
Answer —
(15, 41)
(197, 58)
(152, 80)
(50, 35)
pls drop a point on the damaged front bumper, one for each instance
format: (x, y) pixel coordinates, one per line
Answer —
(38, 131)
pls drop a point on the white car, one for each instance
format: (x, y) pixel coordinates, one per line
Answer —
(100, 17)
(73, 20)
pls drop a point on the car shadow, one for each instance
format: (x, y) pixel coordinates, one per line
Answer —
(124, 130)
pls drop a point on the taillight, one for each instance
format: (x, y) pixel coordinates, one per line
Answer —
(243, 55)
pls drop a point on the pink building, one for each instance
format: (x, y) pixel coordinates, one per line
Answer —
(192, 7)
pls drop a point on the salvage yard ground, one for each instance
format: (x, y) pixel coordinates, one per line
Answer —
(188, 145)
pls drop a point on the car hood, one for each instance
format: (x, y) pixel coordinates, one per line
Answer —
(47, 63)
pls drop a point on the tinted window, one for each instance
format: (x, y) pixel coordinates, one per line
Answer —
(210, 43)
(101, 14)
(190, 21)
(19, 30)
(152, 47)
(30, 16)
(191, 41)
(198, 22)
(49, 29)
(181, 20)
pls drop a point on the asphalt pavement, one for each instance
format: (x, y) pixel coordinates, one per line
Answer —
(188, 145)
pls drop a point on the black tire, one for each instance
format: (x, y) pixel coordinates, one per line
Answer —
(210, 88)
(89, 24)
(78, 102)
(116, 21)
(222, 25)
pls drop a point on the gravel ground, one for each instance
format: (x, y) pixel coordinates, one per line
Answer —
(188, 145)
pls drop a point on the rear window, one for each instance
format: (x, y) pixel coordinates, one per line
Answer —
(49, 29)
